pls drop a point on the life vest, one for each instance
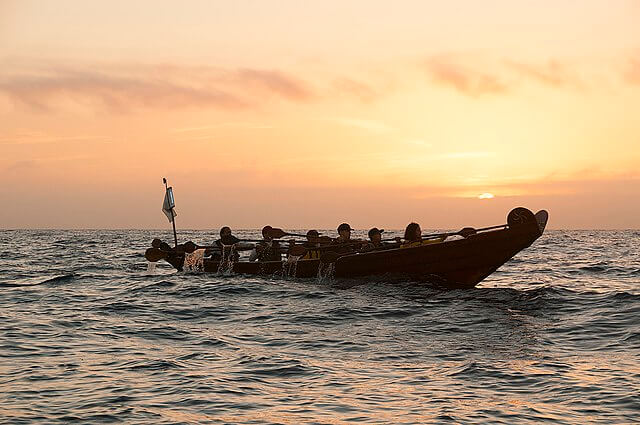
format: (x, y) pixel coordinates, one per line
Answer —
(312, 254)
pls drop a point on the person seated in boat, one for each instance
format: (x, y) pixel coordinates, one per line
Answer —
(344, 241)
(267, 249)
(158, 244)
(226, 237)
(226, 240)
(412, 235)
(375, 239)
(344, 233)
(313, 241)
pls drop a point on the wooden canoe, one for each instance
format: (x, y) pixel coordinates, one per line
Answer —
(459, 263)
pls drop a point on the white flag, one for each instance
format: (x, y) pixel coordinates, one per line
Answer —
(169, 204)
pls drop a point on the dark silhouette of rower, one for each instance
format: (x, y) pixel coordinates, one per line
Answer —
(412, 236)
(413, 233)
(344, 242)
(313, 239)
(267, 249)
(225, 242)
(375, 237)
(344, 233)
(226, 238)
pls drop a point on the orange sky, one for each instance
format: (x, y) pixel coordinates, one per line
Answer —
(304, 114)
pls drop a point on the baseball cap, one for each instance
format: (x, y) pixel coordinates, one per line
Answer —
(374, 230)
(344, 226)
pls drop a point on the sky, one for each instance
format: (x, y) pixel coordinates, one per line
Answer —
(308, 114)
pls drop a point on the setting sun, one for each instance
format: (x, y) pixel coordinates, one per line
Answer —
(486, 196)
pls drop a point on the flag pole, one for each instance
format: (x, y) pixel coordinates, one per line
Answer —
(173, 218)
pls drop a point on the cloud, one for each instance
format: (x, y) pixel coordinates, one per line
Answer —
(276, 82)
(43, 92)
(478, 75)
(553, 73)
(121, 88)
(463, 78)
(357, 89)
(632, 75)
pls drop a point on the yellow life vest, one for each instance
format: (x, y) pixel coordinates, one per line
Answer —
(312, 254)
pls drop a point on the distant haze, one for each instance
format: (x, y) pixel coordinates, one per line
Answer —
(307, 114)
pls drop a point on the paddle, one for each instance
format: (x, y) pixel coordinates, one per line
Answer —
(465, 233)
(277, 233)
(240, 246)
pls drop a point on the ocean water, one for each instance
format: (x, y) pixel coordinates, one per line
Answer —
(89, 336)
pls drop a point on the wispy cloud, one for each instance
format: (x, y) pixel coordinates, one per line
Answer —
(42, 92)
(43, 87)
(477, 75)
(276, 82)
(553, 73)
(469, 81)
(633, 71)
(364, 92)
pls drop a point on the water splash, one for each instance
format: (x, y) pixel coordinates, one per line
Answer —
(151, 267)
(326, 272)
(290, 266)
(194, 262)
(229, 256)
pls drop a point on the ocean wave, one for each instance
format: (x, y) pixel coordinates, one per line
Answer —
(52, 280)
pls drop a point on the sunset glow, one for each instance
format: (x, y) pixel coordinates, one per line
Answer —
(309, 114)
